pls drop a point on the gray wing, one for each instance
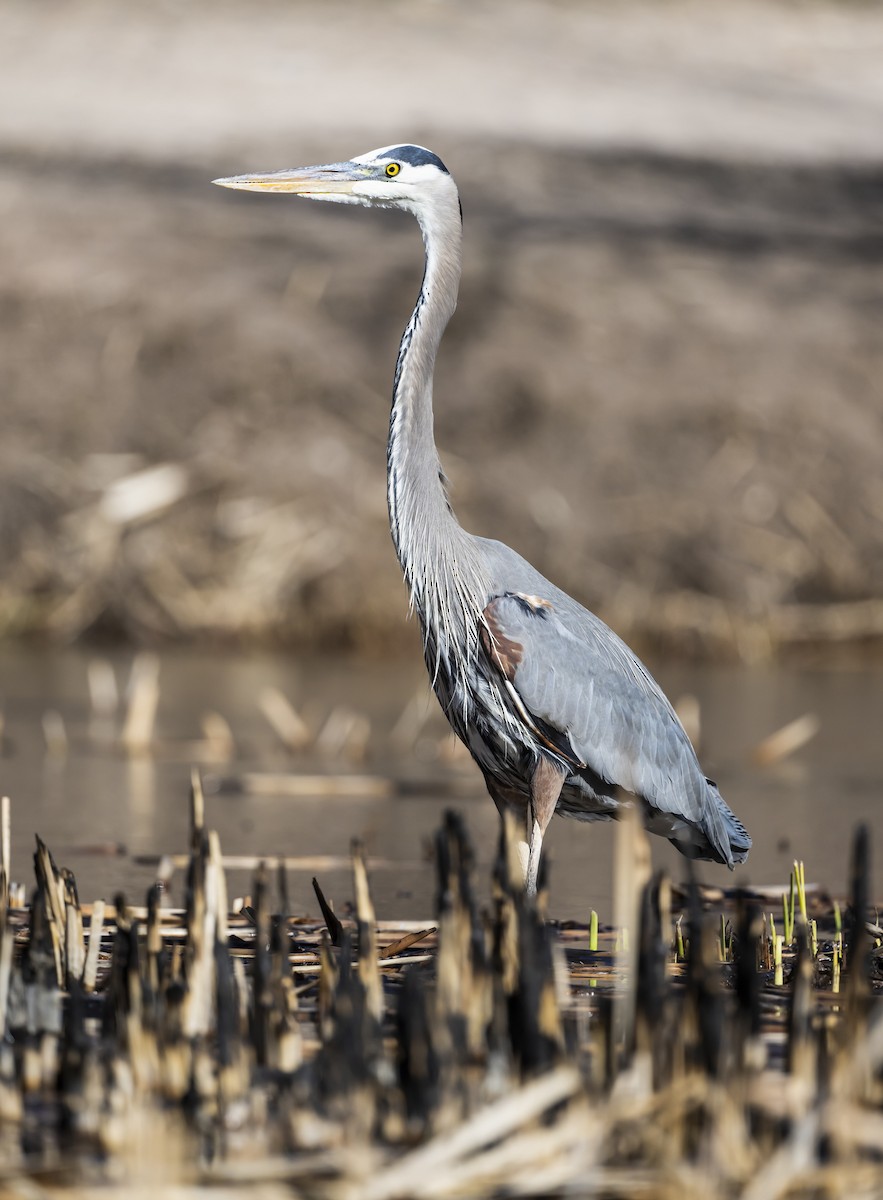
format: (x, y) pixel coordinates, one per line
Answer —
(590, 695)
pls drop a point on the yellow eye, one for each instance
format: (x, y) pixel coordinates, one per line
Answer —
(392, 170)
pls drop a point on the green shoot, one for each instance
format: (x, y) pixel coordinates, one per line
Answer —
(593, 932)
(788, 914)
(800, 874)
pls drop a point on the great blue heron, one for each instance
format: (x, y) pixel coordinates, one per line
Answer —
(555, 709)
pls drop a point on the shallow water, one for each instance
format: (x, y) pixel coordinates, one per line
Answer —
(93, 796)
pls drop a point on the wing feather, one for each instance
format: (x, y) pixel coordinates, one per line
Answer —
(574, 676)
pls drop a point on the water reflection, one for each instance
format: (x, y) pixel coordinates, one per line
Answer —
(94, 796)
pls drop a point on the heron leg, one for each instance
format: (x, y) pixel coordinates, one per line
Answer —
(545, 788)
(509, 801)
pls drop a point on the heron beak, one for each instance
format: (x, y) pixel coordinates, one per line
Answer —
(335, 179)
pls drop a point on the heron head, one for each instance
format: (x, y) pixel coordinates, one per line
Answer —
(392, 177)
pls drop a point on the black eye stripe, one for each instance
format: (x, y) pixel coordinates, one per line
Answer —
(417, 156)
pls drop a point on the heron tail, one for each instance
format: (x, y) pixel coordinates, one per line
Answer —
(739, 839)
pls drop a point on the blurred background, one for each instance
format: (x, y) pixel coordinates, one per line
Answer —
(662, 385)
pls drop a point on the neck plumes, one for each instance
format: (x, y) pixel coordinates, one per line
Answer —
(439, 559)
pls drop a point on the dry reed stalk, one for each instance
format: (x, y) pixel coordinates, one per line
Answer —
(328, 980)
(367, 936)
(5, 850)
(287, 723)
(301, 863)
(218, 745)
(199, 1005)
(531, 1162)
(7, 942)
(103, 692)
(332, 921)
(55, 734)
(75, 955)
(508, 878)
(696, 1108)
(52, 890)
(197, 811)
(255, 783)
(90, 965)
(631, 874)
(406, 942)
(786, 741)
(495, 1122)
(137, 735)
(461, 1001)
(345, 734)
(219, 890)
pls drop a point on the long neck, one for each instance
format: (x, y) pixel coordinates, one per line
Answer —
(439, 559)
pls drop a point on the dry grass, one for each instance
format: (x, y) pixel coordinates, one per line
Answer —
(488, 1054)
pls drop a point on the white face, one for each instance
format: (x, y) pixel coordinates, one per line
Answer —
(399, 179)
